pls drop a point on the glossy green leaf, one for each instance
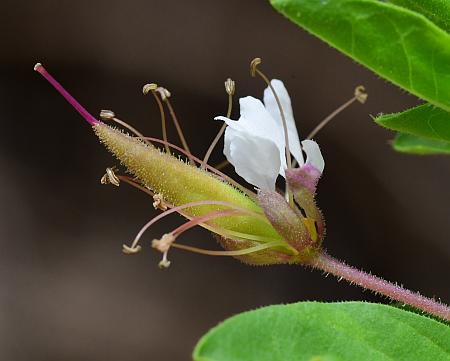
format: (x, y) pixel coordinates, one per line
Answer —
(398, 44)
(424, 121)
(438, 11)
(408, 143)
(312, 331)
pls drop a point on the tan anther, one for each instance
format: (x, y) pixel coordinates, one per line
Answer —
(163, 92)
(107, 114)
(253, 64)
(131, 250)
(149, 87)
(159, 202)
(360, 94)
(230, 86)
(110, 178)
(163, 244)
(164, 263)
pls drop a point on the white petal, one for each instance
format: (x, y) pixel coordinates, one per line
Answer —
(313, 154)
(272, 108)
(256, 121)
(255, 159)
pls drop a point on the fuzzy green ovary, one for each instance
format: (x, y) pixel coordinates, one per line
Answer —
(180, 183)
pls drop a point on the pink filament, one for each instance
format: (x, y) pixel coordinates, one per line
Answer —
(183, 206)
(72, 101)
(202, 219)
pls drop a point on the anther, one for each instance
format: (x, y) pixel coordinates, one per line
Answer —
(149, 87)
(110, 178)
(230, 86)
(131, 250)
(253, 64)
(158, 202)
(164, 263)
(107, 114)
(163, 92)
(163, 245)
(361, 94)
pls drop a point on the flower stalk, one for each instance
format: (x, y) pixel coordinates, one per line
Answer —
(328, 264)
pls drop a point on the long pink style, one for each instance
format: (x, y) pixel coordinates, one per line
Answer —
(72, 101)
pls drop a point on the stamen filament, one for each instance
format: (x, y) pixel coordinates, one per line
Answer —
(109, 115)
(255, 70)
(202, 219)
(360, 96)
(152, 87)
(177, 126)
(229, 87)
(136, 185)
(240, 252)
(72, 101)
(188, 205)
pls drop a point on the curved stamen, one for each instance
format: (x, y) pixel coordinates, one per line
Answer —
(136, 185)
(165, 94)
(183, 206)
(152, 87)
(230, 89)
(253, 71)
(360, 95)
(110, 115)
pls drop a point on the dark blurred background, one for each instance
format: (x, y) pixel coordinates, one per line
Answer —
(67, 291)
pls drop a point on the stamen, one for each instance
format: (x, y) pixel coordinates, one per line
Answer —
(159, 202)
(168, 240)
(110, 178)
(165, 95)
(110, 115)
(134, 184)
(189, 205)
(153, 87)
(230, 88)
(360, 95)
(72, 101)
(253, 71)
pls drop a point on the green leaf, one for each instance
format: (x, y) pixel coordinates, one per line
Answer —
(312, 331)
(424, 121)
(407, 143)
(398, 44)
(438, 11)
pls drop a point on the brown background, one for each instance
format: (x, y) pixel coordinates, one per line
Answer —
(67, 292)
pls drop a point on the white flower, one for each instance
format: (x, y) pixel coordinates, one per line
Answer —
(255, 144)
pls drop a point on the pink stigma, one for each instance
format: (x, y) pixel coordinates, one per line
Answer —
(72, 101)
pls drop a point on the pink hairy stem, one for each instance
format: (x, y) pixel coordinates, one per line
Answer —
(339, 269)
